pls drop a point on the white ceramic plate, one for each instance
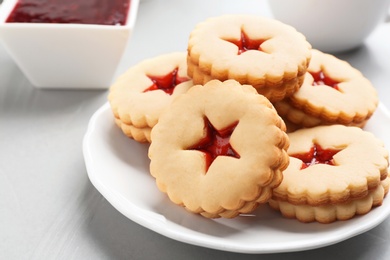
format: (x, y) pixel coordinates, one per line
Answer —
(119, 168)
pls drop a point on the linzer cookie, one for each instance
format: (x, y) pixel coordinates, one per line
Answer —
(335, 172)
(219, 149)
(333, 92)
(262, 52)
(138, 97)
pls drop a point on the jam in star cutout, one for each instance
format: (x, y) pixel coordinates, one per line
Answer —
(245, 43)
(321, 79)
(216, 143)
(167, 83)
(316, 155)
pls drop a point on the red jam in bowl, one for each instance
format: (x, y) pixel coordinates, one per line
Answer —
(102, 12)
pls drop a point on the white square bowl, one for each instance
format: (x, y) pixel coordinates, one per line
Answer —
(75, 56)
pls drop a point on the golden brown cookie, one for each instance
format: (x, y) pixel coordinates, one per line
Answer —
(219, 149)
(265, 53)
(333, 212)
(334, 173)
(138, 97)
(333, 92)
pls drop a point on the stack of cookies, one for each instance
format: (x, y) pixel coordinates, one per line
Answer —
(251, 115)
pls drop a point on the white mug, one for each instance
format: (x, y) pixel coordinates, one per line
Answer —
(332, 25)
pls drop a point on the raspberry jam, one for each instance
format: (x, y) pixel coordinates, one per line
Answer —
(167, 83)
(246, 43)
(103, 12)
(216, 143)
(321, 79)
(316, 155)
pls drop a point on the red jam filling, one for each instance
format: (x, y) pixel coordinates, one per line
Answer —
(246, 43)
(316, 155)
(216, 143)
(167, 83)
(103, 12)
(321, 79)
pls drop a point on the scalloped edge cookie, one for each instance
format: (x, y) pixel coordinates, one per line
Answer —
(137, 110)
(333, 212)
(349, 182)
(352, 103)
(277, 71)
(359, 165)
(229, 186)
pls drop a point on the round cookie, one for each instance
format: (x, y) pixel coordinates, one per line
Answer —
(333, 92)
(262, 52)
(334, 173)
(138, 97)
(332, 212)
(219, 149)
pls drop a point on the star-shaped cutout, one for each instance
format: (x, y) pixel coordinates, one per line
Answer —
(320, 78)
(216, 143)
(167, 82)
(245, 43)
(316, 155)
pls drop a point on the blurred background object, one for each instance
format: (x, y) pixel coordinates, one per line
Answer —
(333, 25)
